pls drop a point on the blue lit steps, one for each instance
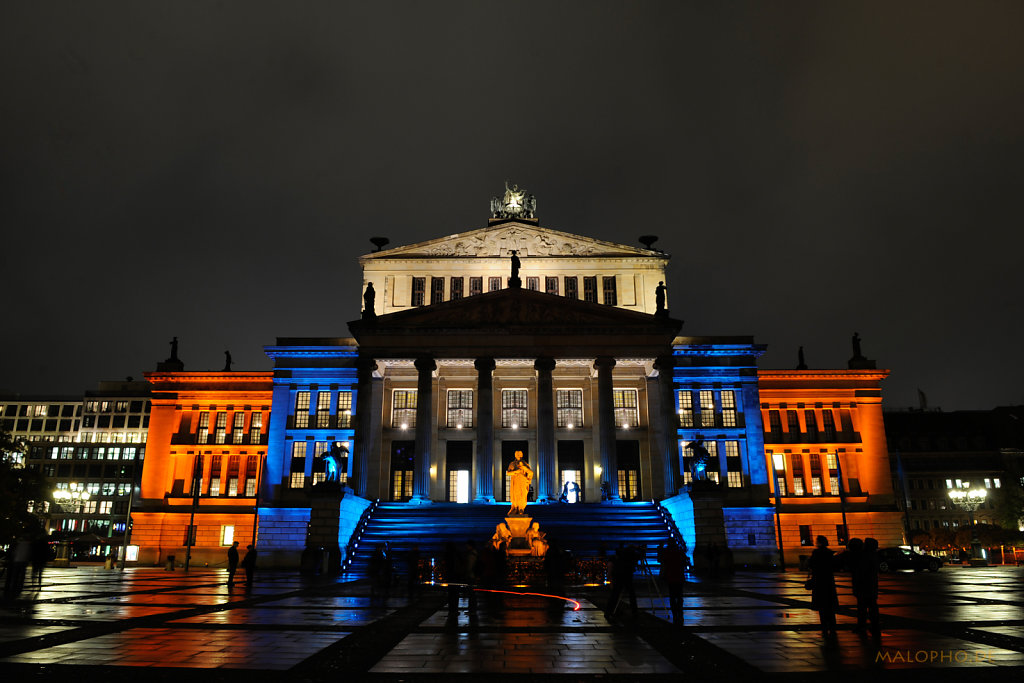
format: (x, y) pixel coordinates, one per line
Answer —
(585, 529)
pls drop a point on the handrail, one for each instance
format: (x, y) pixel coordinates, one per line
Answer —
(357, 533)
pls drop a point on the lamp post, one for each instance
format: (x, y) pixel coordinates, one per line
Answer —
(69, 502)
(969, 500)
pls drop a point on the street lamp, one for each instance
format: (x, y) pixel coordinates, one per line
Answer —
(70, 502)
(969, 500)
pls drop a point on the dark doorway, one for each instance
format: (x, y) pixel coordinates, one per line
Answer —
(403, 458)
(570, 471)
(508, 454)
(628, 456)
(459, 456)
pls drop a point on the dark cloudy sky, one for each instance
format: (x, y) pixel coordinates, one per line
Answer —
(211, 170)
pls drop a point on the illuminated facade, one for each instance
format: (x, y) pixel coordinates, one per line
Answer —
(508, 338)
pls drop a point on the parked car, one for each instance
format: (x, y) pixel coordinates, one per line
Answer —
(892, 559)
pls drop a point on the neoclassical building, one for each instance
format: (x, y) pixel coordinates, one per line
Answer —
(515, 337)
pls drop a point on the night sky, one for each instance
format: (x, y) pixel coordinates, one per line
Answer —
(212, 170)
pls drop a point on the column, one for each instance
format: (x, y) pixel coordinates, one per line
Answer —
(669, 421)
(365, 368)
(547, 486)
(484, 431)
(606, 425)
(424, 429)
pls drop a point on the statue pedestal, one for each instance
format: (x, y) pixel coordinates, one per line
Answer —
(518, 526)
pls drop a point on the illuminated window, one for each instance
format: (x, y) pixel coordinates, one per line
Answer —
(627, 412)
(106, 507)
(92, 488)
(513, 408)
(403, 408)
(728, 409)
(436, 290)
(735, 479)
(551, 285)
(215, 472)
(493, 284)
(797, 465)
(629, 484)
(590, 289)
(121, 407)
(533, 284)
(460, 408)
(685, 408)
(319, 469)
(203, 433)
(476, 286)
(733, 464)
(456, 288)
(572, 287)
(419, 286)
(714, 466)
(221, 428)
(344, 409)
(302, 409)
(227, 534)
(996, 483)
(707, 408)
(323, 410)
(108, 488)
(89, 507)
(608, 285)
(569, 408)
(298, 466)
(238, 428)
(255, 427)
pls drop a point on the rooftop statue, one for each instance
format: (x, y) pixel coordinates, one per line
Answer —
(515, 203)
(369, 297)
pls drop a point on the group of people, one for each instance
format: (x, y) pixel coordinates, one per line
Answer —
(673, 564)
(861, 560)
(26, 551)
(248, 563)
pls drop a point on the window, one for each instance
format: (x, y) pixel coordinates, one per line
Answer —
(250, 476)
(812, 424)
(255, 427)
(707, 408)
(123, 489)
(733, 464)
(828, 422)
(476, 286)
(685, 408)
(323, 409)
(238, 428)
(302, 410)
(513, 408)
(572, 287)
(121, 407)
(533, 284)
(832, 463)
(403, 408)
(227, 534)
(608, 285)
(569, 408)
(319, 469)
(590, 289)
(436, 290)
(805, 535)
(714, 466)
(106, 507)
(298, 467)
(815, 463)
(629, 484)
(551, 285)
(988, 483)
(493, 284)
(460, 408)
(221, 429)
(89, 507)
(456, 288)
(93, 488)
(418, 286)
(996, 483)
(627, 413)
(797, 465)
(793, 422)
(215, 467)
(203, 433)
(344, 409)
(728, 409)
(842, 534)
(108, 488)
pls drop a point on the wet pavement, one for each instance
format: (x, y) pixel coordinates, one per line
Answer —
(92, 624)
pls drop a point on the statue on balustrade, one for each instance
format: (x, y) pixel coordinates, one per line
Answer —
(502, 534)
(537, 540)
(521, 476)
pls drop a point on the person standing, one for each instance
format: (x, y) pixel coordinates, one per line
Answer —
(249, 565)
(866, 589)
(824, 598)
(673, 571)
(232, 563)
(40, 556)
(623, 568)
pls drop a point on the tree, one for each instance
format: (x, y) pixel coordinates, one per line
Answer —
(1009, 507)
(19, 487)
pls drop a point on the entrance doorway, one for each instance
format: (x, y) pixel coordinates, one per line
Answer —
(403, 457)
(508, 454)
(570, 471)
(459, 458)
(628, 456)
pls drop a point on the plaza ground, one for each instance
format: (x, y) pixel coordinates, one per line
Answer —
(93, 624)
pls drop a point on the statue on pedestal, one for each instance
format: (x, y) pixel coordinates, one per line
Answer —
(537, 540)
(502, 534)
(659, 299)
(699, 463)
(522, 475)
(369, 297)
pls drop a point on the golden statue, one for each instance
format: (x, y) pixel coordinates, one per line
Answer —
(520, 480)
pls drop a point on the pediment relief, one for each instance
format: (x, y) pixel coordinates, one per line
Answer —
(527, 240)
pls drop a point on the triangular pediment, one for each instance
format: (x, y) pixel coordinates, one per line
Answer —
(518, 321)
(527, 239)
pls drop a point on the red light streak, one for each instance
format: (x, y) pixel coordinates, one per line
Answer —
(576, 604)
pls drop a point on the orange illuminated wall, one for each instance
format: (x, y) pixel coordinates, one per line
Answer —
(824, 428)
(220, 420)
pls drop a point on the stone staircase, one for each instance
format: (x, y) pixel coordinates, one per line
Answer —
(585, 529)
